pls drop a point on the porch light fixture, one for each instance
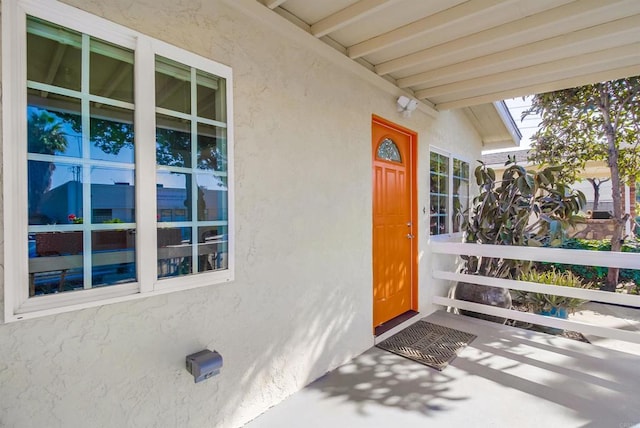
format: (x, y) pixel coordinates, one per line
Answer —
(406, 105)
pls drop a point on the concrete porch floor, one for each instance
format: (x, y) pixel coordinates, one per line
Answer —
(506, 377)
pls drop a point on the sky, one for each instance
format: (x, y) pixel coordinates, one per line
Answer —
(527, 127)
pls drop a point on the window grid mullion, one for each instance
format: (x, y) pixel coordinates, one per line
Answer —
(194, 181)
(86, 170)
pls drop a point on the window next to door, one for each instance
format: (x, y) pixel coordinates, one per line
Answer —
(449, 192)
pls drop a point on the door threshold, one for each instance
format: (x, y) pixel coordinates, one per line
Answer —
(394, 322)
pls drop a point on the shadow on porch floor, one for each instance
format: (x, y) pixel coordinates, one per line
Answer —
(506, 377)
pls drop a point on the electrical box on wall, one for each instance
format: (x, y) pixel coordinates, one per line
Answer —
(204, 364)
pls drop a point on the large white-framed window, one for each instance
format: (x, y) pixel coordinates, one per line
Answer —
(118, 175)
(448, 191)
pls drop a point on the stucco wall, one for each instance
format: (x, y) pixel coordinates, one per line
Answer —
(301, 303)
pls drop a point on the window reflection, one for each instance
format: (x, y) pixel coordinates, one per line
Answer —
(64, 164)
(174, 195)
(212, 197)
(173, 141)
(111, 134)
(174, 252)
(212, 148)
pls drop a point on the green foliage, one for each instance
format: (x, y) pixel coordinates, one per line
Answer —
(599, 122)
(544, 302)
(575, 123)
(597, 274)
(113, 220)
(45, 136)
(525, 208)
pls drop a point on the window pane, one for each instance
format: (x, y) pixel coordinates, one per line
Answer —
(439, 193)
(173, 141)
(54, 54)
(173, 85)
(213, 252)
(55, 262)
(211, 97)
(112, 191)
(113, 257)
(212, 197)
(54, 125)
(111, 71)
(212, 147)
(55, 192)
(388, 150)
(112, 134)
(174, 195)
(174, 252)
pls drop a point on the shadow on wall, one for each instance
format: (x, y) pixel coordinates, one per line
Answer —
(290, 359)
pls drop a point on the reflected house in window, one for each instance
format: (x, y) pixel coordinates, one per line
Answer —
(117, 202)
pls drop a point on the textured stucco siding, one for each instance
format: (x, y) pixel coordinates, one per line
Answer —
(301, 303)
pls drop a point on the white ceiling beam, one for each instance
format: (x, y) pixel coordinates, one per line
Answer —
(305, 40)
(570, 17)
(579, 42)
(349, 15)
(546, 71)
(54, 66)
(422, 26)
(579, 80)
(272, 4)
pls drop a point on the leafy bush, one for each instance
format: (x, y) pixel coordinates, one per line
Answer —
(596, 273)
(545, 302)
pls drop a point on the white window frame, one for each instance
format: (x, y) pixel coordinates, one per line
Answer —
(17, 304)
(451, 156)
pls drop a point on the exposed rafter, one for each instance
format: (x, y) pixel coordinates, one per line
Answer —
(556, 85)
(120, 74)
(558, 70)
(272, 4)
(456, 53)
(561, 20)
(54, 66)
(580, 42)
(349, 15)
(421, 27)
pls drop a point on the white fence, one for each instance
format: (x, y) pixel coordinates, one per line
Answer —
(554, 255)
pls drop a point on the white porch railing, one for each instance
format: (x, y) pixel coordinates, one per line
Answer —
(554, 255)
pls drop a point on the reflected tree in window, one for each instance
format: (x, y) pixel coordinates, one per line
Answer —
(45, 136)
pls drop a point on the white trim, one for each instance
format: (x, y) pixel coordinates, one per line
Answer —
(451, 156)
(18, 304)
(553, 255)
(78, 20)
(509, 122)
(13, 129)
(613, 333)
(578, 293)
(146, 208)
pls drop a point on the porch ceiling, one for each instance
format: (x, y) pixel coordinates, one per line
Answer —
(456, 53)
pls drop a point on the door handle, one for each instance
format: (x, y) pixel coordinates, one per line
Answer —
(410, 235)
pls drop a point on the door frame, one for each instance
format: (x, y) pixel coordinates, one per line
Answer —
(413, 195)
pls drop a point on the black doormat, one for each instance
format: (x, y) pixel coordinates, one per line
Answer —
(429, 344)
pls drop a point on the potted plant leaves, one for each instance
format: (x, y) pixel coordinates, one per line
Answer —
(549, 304)
(523, 208)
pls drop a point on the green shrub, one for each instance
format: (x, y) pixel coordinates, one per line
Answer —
(545, 302)
(596, 274)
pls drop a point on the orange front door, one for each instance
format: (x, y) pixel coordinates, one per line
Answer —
(393, 221)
